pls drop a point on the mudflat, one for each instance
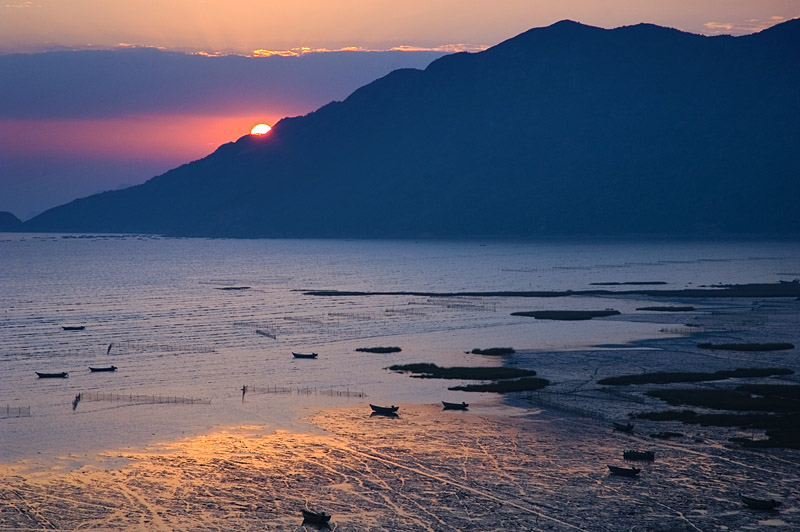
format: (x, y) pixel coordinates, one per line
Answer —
(491, 468)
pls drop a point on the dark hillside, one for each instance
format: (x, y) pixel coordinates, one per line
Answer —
(567, 129)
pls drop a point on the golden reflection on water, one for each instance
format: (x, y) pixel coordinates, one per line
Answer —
(427, 469)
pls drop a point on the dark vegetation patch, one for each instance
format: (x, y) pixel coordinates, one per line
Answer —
(630, 283)
(666, 435)
(680, 376)
(771, 407)
(785, 391)
(782, 430)
(665, 415)
(520, 385)
(494, 351)
(566, 315)
(432, 371)
(668, 309)
(736, 399)
(751, 290)
(748, 347)
(379, 349)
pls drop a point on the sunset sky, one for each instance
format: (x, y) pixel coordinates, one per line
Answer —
(72, 124)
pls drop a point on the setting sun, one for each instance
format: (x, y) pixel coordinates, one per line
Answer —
(260, 129)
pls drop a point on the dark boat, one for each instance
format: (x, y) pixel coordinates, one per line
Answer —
(759, 504)
(319, 518)
(109, 368)
(455, 406)
(304, 355)
(61, 375)
(624, 471)
(384, 409)
(647, 456)
(623, 428)
(73, 327)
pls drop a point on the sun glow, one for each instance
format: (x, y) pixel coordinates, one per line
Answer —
(260, 129)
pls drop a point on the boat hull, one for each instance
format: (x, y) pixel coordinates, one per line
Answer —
(759, 504)
(316, 517)
(624, 471)
(384, 409)
(304, 355)
(646, 456)
(108, 369)
(60, 375)
(455, 406)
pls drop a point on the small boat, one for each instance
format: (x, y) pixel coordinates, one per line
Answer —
(60, 375)
(109, 368)
(624, 471)
(384, 409)
(759, 504)
(647, 456)
(304, 355)
(319, 518)
(623, 428)
(73, 327)
(455, 406)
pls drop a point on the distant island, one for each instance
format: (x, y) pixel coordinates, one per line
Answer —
(9, 222)
(563, 130)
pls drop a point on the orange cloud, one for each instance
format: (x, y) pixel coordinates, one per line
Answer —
(297, 52)
(446, 48)
(746, 27)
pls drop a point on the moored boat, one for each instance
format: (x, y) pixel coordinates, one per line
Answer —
(759, 504)
(73, 327)
(647, 456)
(628, 427)
(315, 517)
(59, 375)
(624, 471)
(109, 368)
(455, 406)
(384, 409)
(304, 355)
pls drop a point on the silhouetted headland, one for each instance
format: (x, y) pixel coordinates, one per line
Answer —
(563, 130)
(9, 222)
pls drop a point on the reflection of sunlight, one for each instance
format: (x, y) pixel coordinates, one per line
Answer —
(473, 472)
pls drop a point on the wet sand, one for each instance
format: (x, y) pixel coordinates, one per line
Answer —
(427, 469)
(542, 466)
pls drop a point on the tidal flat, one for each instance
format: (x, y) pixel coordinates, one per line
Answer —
(525, 460)
(427, 469)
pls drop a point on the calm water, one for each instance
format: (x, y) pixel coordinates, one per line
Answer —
(176, 332)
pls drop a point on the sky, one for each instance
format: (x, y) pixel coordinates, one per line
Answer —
(99, 94)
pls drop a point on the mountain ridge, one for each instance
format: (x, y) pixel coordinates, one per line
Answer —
(567, 129)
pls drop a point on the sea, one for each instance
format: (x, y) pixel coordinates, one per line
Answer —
(202, 331)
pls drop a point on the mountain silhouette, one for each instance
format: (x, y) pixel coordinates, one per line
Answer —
(562, 130)
(9, 222)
